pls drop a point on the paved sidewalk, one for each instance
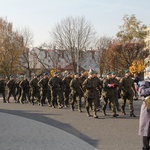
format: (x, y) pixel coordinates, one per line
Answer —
(19, 133)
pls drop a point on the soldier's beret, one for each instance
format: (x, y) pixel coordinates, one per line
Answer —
(91, 72)
(108, 73)
(126, 71)
(113, 73)
(45, 73)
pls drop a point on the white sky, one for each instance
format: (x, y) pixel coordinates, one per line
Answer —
(40, 16)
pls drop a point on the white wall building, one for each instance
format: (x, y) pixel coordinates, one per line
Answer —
(58, 59)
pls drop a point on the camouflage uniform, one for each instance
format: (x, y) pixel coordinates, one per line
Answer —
(109, 94)
(99, 89)
(2, 89)
(25, 91)
(91, 92)
(35, 92)
(18, 90)
(127, 92)
(116, 90)
(44, 90)
(56, 85)
(11, 89)
(76, 93)
(67, 90)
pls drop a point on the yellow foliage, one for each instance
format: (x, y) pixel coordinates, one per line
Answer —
(137, 66)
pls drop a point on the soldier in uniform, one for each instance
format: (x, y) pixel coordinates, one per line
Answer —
(25, 90)
(56, 86)
(116, 89)
(35, 92)
(11, 89)
(90, 87)
(44, 90)
(109, 94)
(2, 89)
(66, 82)
(99, 88)
(82, 79)
(76, 93)
(127, 92)
(18, 88)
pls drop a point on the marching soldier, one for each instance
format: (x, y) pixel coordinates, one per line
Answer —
(116, 90)
(76, 93)
(90, 87)
(44, 90)
(56, 85)
(35, 92)
(25, 90)
(99, 88)
(18, 88)
(66, 82)
(109, 94)
(11, 89)
(2, 89)
(127, 92)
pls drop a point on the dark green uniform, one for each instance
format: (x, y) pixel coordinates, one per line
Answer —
(109, 94)
(11, 89)
(127, 92)
(25, 91)
(116, 90)
(76, 92)
(34, 89)
(91, 92)
(56, 86)
(18, 90)
(44, 91)
(67, 90)
(2, 89)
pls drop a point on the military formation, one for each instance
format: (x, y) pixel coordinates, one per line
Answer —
(74, 91)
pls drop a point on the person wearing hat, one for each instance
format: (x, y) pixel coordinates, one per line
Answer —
(127, 92)
(44, 90)
(2, 88)
(109, 94)
(66, 83)
(11, 89)
(116, 90)
(55, 83)
(76, 92)
(34, 89)
(25, 90)
(90, 95)
(144, 120)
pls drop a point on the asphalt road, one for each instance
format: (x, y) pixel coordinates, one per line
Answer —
(104, 133)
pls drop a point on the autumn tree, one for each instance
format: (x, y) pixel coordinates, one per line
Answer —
(73, 35)
(10, 44)
(129, 45)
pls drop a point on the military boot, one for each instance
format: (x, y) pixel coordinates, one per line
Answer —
(132, 114)
(72, 107)
(95, 114)
(88, 112)
(104, 111)
(123, 110)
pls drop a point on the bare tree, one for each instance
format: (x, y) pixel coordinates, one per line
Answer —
(73, 35)
(102, 45)
(27, 41)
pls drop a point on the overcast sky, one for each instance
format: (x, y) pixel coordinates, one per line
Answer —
(40, 16)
